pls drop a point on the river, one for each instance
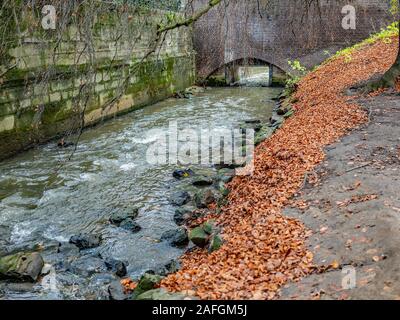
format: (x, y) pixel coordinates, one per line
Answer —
(43, 206)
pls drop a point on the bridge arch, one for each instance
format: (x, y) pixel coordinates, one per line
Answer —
(230, 68)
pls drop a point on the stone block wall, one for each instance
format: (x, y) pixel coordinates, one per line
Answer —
(56, 81)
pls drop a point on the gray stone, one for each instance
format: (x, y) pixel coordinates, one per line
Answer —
(20, 287)
(21, 267)
(180, 198)
(130, 225)
(116, 291)
(118, 217)
(86, 241)
(204, 198)
(5, 234)
(226, 175)
(116, 266)
(87, 266)
(172, 267)
(176, 237)
(256, 126)
(202, 181)
(68, 250)
(263, 135)
(183, 215)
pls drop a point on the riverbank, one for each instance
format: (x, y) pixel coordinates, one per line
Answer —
(265, 249)
(353, 212)
(107, 179)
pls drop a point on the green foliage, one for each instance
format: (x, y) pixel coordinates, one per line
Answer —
(297, 73)
(385, 35)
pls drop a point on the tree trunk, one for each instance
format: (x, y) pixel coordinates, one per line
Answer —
(388, 80)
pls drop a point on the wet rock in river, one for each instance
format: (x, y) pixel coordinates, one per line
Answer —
(276, 121)
(21, 267)
(116, 266)
(86, 241)
(88, 265)
(226, 175)
(230, 165)
(5, 234)
(130, 225)
(263, 135)
(194, 90)
(19, 287)
(202, 181)
(164, 270)
(172, 267)
(183, 215)
(118, 217)
(204, 198)
(116, 291)
(180, 198)
(176, 237)
(255, 125)
(68, 250)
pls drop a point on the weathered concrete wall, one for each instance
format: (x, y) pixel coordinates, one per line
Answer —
(54, 82)
(276, 31)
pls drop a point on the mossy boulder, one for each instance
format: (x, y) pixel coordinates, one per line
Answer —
(215, 243)
(209, 226)
(21, 267)
(146, 283)
(160, 295)
(199, 237)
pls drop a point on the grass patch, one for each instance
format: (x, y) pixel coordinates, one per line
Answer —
(385, 35)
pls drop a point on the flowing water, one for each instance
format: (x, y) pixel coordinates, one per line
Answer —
(43, 206)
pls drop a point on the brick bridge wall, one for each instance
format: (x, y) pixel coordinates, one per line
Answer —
(280, 30)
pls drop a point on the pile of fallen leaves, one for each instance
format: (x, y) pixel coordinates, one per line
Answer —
(128, 285)
(263, 249)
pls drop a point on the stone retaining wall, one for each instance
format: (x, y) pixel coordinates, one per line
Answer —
(51, 87)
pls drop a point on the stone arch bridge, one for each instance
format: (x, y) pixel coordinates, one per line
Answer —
(275, 31)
